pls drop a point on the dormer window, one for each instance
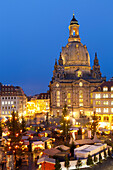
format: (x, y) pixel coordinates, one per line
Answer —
(105, 88)
(112, 88)
(79, 73)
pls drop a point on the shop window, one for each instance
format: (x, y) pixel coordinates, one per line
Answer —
(106, 118)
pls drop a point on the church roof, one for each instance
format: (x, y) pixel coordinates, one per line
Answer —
(74, 21)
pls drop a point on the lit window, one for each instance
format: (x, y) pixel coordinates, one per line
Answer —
(98, 110)
(97, 96)
(2, 112)
(80, 84)
(111, 102)
(57, 85)
(111, 95)
(58, 98)
(105, 110)
(105, 95)
(69, 95)
(74, 32)
(5, 102)
(80, 94)
(105, 102)
(112, 88)
(8, 102)
(2, 103)
(69, 102)
(112, 119)
(58, 92)
(111, 110)
(105, 88)
(11, 102)
(80, 104)
(58, 104)
(80, 100)
(99, 117)
(106, 118)
(79, 73)
(97, 102)
(6, 112)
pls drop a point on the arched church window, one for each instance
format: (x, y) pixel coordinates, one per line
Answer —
(58, 98)
(73, 32)
(80, 98)
(81, 94)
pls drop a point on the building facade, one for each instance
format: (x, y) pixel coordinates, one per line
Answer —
(73, 79)
(12, 96)
(103, 104)
(38, 104)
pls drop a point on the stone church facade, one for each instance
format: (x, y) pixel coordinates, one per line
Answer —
(73, 79)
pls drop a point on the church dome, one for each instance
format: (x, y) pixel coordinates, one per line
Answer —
(75, 54)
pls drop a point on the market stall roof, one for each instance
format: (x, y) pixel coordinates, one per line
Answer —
(38, 143)
(46, 159)
(96, 140)
(51, 151)
(63, 147)
(83, 142)
(25, 137)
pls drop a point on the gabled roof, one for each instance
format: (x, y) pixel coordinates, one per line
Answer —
(108, 84)
(46, 159)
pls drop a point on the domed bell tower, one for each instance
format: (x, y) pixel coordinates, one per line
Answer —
(74, 30)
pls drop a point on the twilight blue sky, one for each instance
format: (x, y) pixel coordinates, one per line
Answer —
(32, 33)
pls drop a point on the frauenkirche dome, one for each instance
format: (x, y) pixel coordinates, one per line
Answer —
(74, 54)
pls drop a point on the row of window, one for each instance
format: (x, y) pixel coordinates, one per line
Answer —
(106, 118)
(7, 108)
(69, 98)
(7, 89)
(105, 110)
(8, 102)
(106, 88)
(104, 102)
(8, 98)
(58, 98)
(6, 112)
(98, 96)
